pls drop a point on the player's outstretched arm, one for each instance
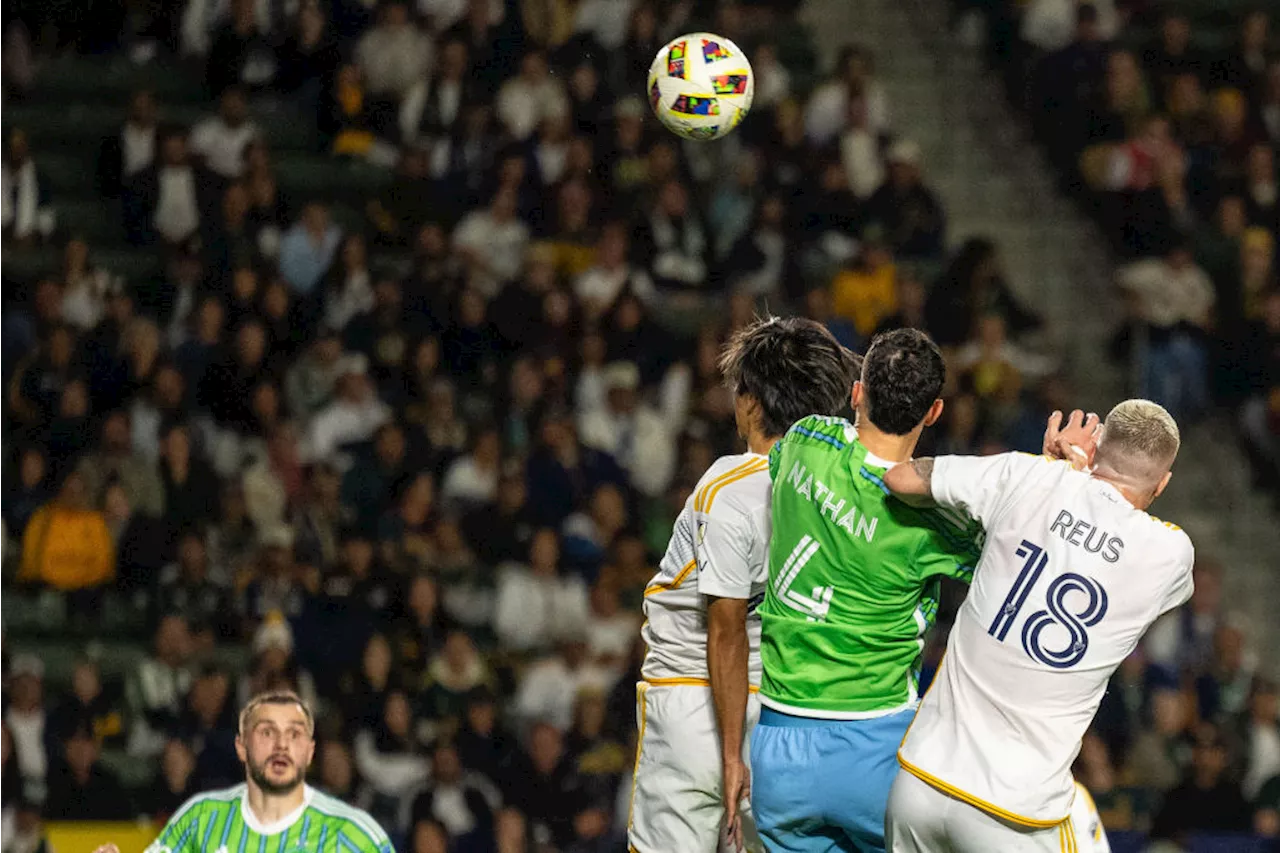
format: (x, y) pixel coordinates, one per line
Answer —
(912, 479)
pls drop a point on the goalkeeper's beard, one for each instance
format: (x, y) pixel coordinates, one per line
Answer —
(258, 774)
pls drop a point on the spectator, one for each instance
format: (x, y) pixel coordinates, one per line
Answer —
(865, 292)
(28, 491)
(67, 544)
(908, 210)
(220, 140)
(188, 482)
(309, 55)
(393, 55)
(420, 633)
(545, 787)
(26, 720)
(1261, 738)
(829, 105)
(274, 483)
(186, 589)
(433, 104)
(533, 96)
(1161, 753)
(1172, 301)
(535, 603)
(492, 243)
(241, 52)
(354, 414)
(310, 381)
(461, 801)
(472, 480)
(27, 214)
(453, 675)
(124, 155)
(348, 116)
(630, 431)
(1223, 689)
(610, 629)
(173, 786)
(307, 249)
(1206, 800)
(389, 757)
(84, 286)
(82, 788)
(158, 685)
(673, 238)
(548, 689)
(168, 201)
(89, 708)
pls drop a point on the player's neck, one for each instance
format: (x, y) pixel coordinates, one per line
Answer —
(1137, 497)
(271, 808)
(891, 448)
(759, 444)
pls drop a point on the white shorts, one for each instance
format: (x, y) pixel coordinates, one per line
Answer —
(922, 819)
(676, 804)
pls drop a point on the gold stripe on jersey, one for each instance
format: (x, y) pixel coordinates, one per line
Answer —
(699, 503)
(690, 682)
(756, 469)
(976, 802)
(641, 690)
(674, 583)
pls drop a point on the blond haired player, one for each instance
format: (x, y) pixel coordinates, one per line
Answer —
(273, 809)
(1073, 572)
(702, 666)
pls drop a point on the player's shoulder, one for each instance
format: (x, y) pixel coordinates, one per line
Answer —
(358, 824)
(1170, 539)
(218, 797)
(821, 432)
(738, 481)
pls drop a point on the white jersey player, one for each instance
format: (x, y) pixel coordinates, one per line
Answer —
(1072, 573)
(702, 666)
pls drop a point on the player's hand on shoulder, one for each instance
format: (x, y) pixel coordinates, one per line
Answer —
(1075, 441)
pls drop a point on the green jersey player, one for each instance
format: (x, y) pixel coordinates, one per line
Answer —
(853, 587)
(273, 811)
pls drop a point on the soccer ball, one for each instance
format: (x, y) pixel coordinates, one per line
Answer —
(700, 86)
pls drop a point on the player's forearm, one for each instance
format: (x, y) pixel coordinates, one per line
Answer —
(911, 479)
(727, 653)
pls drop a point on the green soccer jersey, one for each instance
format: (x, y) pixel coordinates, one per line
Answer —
(854, 578)
(220, 822)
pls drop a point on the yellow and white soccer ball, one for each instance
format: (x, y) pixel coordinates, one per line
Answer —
(701, 86)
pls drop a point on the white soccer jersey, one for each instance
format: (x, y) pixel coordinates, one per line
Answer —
(1089, 834)
(1071, 575)
(719, 546)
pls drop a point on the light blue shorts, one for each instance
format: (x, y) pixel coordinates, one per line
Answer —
(822, 786)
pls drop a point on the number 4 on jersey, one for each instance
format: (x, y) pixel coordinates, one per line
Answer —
(1055, 612)
(815, 608)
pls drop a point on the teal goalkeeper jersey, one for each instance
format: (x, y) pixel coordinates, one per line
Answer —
(220, 822)
(854, 578)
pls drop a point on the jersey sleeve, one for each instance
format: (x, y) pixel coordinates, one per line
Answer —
(1184, 558)
(722, 548)
(978, 485)
(179, 835)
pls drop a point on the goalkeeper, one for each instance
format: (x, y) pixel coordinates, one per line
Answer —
(854, 579)
(273, 809)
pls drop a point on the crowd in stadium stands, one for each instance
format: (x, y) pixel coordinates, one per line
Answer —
(429, 493)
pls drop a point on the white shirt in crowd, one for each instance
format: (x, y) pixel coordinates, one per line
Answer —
(137, 147)
(860, 155)
(20, 208)
(1051, 24)
(448, 97)
(393, 59)
(1070, 578)
(549, 690)
(28, 742)
(177, 213)
(344, 422)
(467, 483)
(828, 110)
(353, 297)
(222, 146)
(533, 611)
(501, 244)
(606, 21)
(443, 14)
(1167, 296)
(598, 287)
(642, 442)
(522, 105)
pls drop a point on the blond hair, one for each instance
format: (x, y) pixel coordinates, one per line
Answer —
(1140, 440)
(276, 697)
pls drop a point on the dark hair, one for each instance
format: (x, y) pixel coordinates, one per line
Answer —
(792, 367)
(902, 374)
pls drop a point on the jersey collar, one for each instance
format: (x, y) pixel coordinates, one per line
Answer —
(251, 820)
(868, 458)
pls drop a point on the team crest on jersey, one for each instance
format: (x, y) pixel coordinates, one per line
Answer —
(702, 531)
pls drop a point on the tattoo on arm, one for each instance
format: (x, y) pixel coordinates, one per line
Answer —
(924, 470)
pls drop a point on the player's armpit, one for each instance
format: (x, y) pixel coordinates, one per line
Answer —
(912, 479)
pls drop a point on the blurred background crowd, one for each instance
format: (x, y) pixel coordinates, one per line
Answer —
(370, 349)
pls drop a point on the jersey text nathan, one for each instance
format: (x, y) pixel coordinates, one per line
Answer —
(853, 578)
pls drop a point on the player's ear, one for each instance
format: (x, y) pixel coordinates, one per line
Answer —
(859, 394)
(241, 752)
(1164, 482)
(935, 412)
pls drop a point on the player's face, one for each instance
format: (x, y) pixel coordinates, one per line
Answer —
(276, 748)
